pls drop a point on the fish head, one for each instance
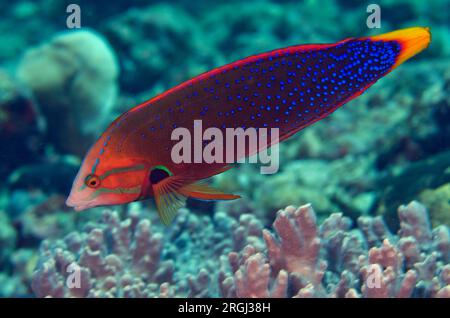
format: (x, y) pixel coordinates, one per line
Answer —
(103, 181)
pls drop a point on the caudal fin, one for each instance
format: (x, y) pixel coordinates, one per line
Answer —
(412, 41)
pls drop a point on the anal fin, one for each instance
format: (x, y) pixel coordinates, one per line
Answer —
(203, 191)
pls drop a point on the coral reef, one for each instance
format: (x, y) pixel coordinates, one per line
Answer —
(332, 261)
(132, 258)
(58, 90)
(118, 261)
(17, 263)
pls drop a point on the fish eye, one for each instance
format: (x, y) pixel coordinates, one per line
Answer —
(158, 174)
(92, 181)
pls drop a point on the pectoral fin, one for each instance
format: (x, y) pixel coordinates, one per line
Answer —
(168, 199)
(171, 194)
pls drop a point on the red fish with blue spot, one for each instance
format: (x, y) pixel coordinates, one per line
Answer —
(288, 89)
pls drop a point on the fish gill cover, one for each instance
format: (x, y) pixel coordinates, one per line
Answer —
(360, 205)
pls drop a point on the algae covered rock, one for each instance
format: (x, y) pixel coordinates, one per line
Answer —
(438, 203)
(21, 126)
(73, 77)
(7, 237)
(427, 179)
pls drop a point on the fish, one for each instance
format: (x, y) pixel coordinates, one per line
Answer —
(288, 89)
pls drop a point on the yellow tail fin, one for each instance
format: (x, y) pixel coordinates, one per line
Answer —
(412, 40)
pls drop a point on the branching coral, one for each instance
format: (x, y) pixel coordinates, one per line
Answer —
(413, 264)
(120, 260)
(298, 249)
(383, 276)
(237, 258)
(253, 279)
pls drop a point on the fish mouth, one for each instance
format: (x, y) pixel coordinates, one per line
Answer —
(79, 205)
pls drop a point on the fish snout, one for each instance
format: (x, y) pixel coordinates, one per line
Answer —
(77, 205)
